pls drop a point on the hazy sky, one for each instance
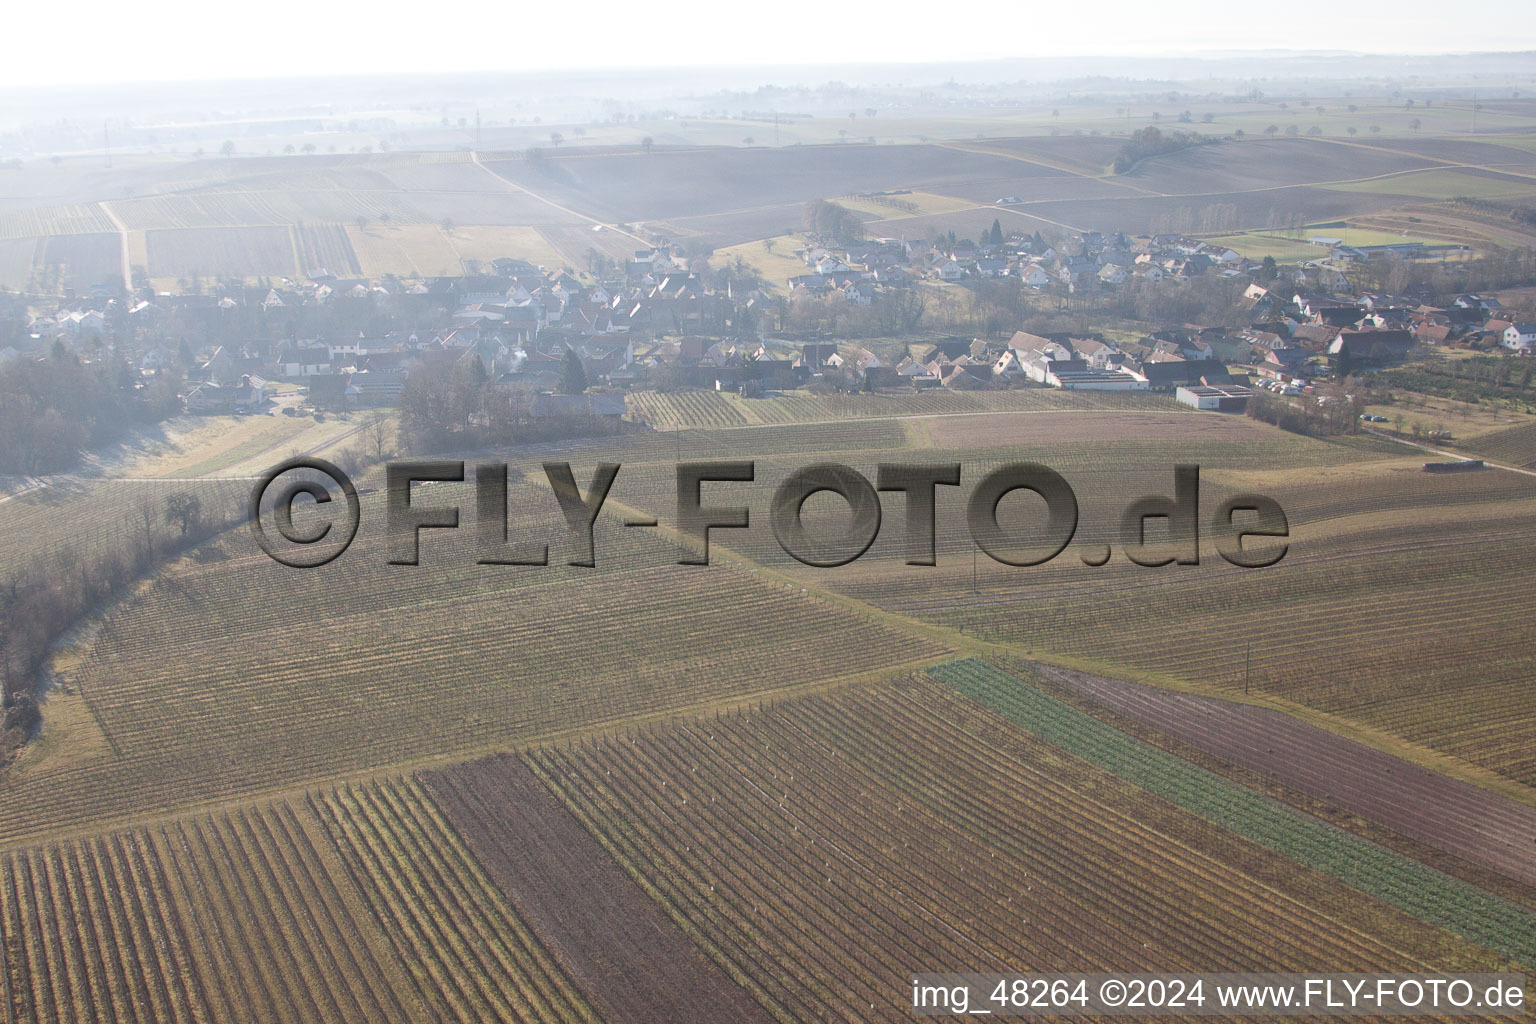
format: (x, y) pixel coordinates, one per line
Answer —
(91, 41)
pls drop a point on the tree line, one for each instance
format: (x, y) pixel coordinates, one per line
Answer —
(42, 599)
(53, 409)
(1153, 141)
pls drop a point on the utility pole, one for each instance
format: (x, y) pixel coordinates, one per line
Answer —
(477, 129)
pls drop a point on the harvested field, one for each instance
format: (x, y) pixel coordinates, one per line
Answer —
(724, 229)
(454, 172)
(84, 260)
(1083, 155)
(231, 252)
(669, 183)
(411, 250)
(1464, 150)
(1267, 163)
(625, 954)
(571, 242)
(494, 205)
(16, 260)
(1188, 212)
(1032, 188)
(1447, 184)
(911, 204)
(1464, 820)
(969, 223)
(483, 243)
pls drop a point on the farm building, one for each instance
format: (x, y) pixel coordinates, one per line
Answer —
(1374, 346)
(1224, 398)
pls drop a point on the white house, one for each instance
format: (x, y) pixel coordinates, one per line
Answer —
(304, 362)
(1034, 275)
(1520, 337)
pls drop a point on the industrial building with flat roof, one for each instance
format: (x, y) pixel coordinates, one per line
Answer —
(1220, 398)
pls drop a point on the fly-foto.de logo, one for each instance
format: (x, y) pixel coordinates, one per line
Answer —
(1248, 530)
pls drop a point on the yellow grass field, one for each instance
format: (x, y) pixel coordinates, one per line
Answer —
(485, 243)
(777, 266)
(925, 202)
(407, 250)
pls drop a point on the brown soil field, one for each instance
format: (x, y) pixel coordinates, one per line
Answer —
(626, 955)
(665, 184)
(1030, 188)
(1266, 163)
(206, 252)
(1462, 819)
(1514, 445)
(1462, 151)
(1087, 154)
(85, 259)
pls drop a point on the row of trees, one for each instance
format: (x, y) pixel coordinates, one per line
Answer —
(1331, 411)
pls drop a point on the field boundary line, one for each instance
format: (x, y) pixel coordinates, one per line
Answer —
(1459, 456)
(122, 237)
(474, 157)
(606, 728)
(961, 643)
(962, 147)
(1445, 163)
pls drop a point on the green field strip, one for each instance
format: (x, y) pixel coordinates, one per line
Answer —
(1393, 878)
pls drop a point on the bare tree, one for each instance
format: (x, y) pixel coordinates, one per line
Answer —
(379, 432)
(183, 509)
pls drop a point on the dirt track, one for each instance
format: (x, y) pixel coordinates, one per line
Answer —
(627, 957)
(1459, 818)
